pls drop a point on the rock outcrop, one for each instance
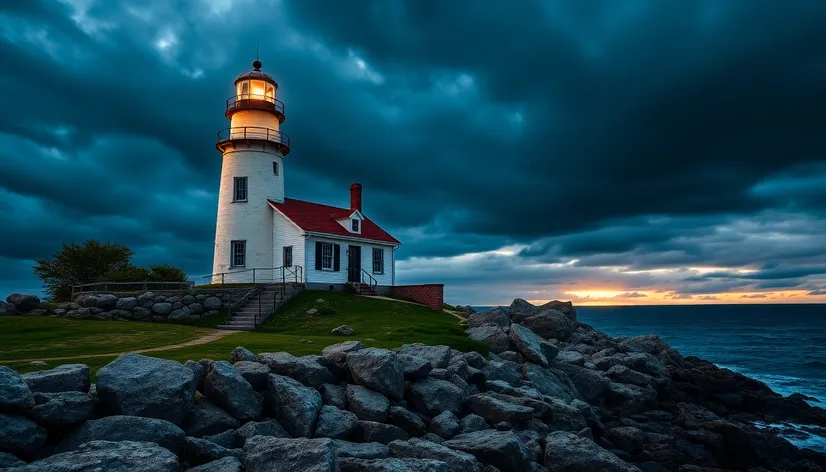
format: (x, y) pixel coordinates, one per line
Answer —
(553, 395)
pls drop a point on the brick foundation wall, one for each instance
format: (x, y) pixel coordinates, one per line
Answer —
(432, 295)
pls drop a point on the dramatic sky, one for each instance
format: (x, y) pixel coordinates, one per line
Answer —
(614, 152)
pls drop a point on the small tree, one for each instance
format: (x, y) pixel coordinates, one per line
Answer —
(93, 261)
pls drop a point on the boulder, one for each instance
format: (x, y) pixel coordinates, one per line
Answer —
(414, 367)
(370, 431)
(335, 423)
(550, 324)
(432, 396)
(405, 419)
(23, 303)
(631, 398)
(199, 451)
(7, 309)
(64, 378)
(495, 370)
(371, 450)
(338, 352)
(261, 428)
(126, 303)
(334, 395)
(591, 384)
(392, 464)
(107, 302)
(529, 344)
(15, 394)
(494, 410)
(205, 418)
(627, 438)
(129, 456)
(225, 386)
(520, 309)
(439, 356)
(474, 359)
(342, 330)
(242, 354)
(212, 303)
(20, 436)
(306, 369)
(295, 406)
(7, 461)
(266, 454)
(501, 449)
(571, 357)
(565, 451)
(472, 423)
(125, 428)
(146, 386)
(622, 374)
(379, 370)
(456, 461)
(162, 309)
(493, 336)
(494, 317)
(62, 408)
(227, 464)
(567, 308)
(445, 425)
(367, 404)
(227, 439)
(255, 373)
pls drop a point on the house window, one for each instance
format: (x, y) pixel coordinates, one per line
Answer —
(239, 192)
(327, 256)
(238, 257)
(288, 256)
(355, 225)
(378, 260)
(275, 167)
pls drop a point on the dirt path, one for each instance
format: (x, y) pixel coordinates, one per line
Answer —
(205, 339)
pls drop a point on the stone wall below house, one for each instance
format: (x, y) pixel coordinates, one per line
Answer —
(431, 295)
(158, 306)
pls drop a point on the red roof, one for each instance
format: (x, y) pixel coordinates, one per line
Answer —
(319, 218)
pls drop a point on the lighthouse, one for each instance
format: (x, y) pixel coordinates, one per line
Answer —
(252, 149)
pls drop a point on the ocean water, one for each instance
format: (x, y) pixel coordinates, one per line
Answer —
(783, 346)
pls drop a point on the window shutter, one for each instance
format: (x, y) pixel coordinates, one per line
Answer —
(337, 258)
(318, 255)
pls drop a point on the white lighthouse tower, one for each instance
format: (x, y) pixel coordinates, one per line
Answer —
(253, 150)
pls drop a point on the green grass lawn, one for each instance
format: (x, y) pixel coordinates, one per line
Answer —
(378, 323)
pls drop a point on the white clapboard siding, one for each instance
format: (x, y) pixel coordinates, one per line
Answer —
(340, 277)
(286, 233)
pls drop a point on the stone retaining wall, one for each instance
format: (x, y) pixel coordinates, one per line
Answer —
(141, 306)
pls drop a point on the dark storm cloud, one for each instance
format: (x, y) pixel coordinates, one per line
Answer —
(587, 134)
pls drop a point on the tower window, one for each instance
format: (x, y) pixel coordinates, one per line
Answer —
(275, 167)
(239, 191)
(378, 260)
(245, 90)
(238, 256)
(288, 256)
(354, 225)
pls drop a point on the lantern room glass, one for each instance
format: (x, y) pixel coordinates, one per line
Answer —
(255, 90)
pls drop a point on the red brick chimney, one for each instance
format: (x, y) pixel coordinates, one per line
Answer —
(355, 197)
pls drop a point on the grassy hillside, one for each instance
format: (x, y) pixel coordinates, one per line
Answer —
(378, 323)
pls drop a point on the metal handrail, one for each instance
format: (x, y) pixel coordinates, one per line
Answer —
(245, 297)
(371, 281)
(294, 272)
(145, 284)
(253, 132)
(263, 102)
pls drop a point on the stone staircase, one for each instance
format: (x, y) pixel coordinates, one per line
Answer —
(243, 318)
